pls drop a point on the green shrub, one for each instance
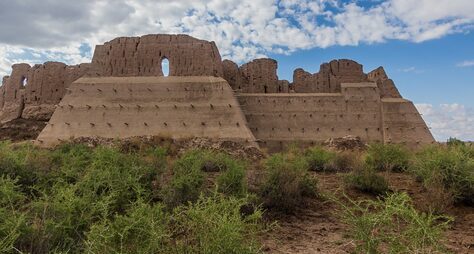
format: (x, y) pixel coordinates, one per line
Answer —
(12, 219)
(143, 229)
(210, 225)
(188, 177)
(120, 177)
(451, 166)
(319, 159)
(287, 182)
(344, 161)
(232, 180)
(71, 161)
(394, 225)
(215, 225)
(367, 180)
(388, 157)
(24, 162)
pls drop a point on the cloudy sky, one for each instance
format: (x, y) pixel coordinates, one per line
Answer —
(426, 46)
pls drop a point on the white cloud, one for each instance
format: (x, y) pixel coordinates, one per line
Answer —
(242, 29)
(467, 63)
(449, 120)
(411, 69)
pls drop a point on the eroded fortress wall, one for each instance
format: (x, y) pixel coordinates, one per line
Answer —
(329, 77)
(120, 107)
(310, 118)
(33, 92)
(143, 56)
(257, 76)
(338, 100)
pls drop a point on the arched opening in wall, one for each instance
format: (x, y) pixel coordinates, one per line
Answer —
(165, 67)
(24, 82)
(265, 87)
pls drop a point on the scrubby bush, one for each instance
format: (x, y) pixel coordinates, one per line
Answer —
(367, 180)
(71, 160)
(144, 228)
(76, 199)
(394, 226)
(12, 219)
(319, 159)
(452, 167)
(388, 157)
(184, 187)
(215, 225)
(24, 162)
(188, 176)
(210, 225)
(287, 182)
(344, 161)
(232, 180)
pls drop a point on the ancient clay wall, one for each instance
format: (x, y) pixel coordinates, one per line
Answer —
(13, 93)
(178, 107)
(232, 74)
(279, 119)
(143, 56)
(47, 84)
(386, 85)
(403, 123)
(33, 92)
(329, 77)
(260, 76)
(257, 76)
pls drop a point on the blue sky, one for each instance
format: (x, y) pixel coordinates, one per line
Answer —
(426, 46)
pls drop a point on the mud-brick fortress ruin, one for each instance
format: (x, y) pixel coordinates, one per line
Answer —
(123, 93)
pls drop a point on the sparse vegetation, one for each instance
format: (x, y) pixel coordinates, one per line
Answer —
(451, 167)
(367, 180)
(388, 157)
(319, 159)
(287, 182)
(77, 199)
(393, 225)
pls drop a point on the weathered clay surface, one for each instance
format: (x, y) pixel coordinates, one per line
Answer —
(13, 93)
(386, 85)
(176, 107)
(143, 56)
(329, 77)
(33, 92)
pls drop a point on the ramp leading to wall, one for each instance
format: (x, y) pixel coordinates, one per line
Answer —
(118, 107)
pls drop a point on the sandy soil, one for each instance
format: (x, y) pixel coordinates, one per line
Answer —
(318, 228)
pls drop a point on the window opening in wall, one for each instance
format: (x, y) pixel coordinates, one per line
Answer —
(24, 82)
(165, 67)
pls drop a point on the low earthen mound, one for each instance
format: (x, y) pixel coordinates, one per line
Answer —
(21, 129)
(348, 142)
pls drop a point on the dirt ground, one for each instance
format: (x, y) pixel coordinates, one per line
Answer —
(319, 229)
(21, 129)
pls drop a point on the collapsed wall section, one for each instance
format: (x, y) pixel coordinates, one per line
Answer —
(257, 76)
(386, 85)
(143, 56)
(329, 78)
(308, 118)
(178, 107)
